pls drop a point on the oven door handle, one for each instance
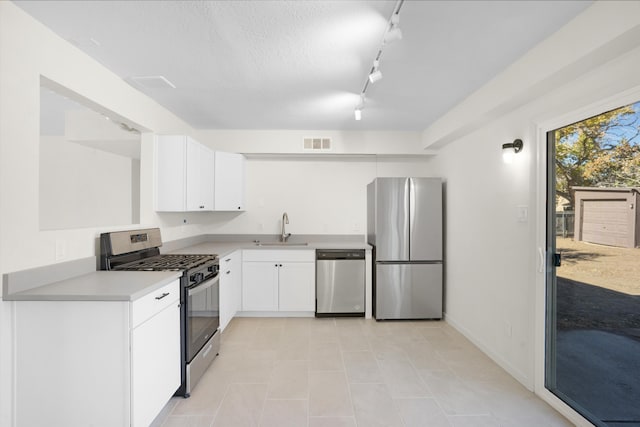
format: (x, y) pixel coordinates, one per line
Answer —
(203, 286)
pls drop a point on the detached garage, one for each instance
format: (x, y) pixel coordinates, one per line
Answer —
(607, 216)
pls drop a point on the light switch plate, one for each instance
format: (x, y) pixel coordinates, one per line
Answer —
(522, 213)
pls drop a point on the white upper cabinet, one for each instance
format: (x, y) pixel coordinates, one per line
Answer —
(200, 176)
(229, 181)
(184, 174)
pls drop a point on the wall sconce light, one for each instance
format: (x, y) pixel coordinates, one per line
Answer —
(509, 150)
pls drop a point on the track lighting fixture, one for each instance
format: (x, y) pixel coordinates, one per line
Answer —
(358, 110)
(376, 74)
(392, 34)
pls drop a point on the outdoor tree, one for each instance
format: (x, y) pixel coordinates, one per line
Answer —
(599, 151)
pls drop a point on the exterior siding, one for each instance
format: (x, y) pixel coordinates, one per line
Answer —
(607, 216)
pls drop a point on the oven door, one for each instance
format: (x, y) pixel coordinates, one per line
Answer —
(203, 314)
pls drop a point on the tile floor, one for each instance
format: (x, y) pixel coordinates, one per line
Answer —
(348, 372)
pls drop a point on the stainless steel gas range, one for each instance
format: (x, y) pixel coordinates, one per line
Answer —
(199, 297)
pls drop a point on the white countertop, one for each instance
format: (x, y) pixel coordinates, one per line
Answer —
(225, 248)
(86, 285)
(99, 286)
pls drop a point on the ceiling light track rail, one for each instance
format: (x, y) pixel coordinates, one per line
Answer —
(392, 34)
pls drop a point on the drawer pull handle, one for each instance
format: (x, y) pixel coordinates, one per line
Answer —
(164, 294)
(229, 272)
(227, 260)
(204, 354)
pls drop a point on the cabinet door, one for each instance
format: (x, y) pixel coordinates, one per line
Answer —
(227, 297)
(236, 268)
(207, 177)
(229, 181)
(233, 264)
(199, 176)
(171, 173)
(260, 286)
(155, 364)
(297, 286)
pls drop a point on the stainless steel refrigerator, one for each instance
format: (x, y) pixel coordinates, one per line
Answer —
(404, 224)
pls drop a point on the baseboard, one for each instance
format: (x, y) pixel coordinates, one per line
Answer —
(521, 377)
(275, 314)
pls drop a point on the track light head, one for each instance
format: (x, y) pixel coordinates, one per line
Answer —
(375, 76)
(393, 35)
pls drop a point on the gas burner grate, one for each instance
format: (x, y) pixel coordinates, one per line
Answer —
(176, 262)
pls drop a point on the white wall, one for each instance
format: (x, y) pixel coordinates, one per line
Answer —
(291, 141)
(492, 276)
(319, 196)
(81, 186)
(27, 51)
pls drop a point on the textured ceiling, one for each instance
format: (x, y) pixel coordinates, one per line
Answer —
(302, 64)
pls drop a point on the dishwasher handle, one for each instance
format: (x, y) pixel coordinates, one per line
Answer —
(337, 254)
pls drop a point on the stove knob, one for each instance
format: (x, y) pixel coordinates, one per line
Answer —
(197, 277)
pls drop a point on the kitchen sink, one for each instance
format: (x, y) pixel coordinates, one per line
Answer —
(281, 244)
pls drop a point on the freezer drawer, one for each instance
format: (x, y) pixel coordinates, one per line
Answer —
(408, 291)
(340, 281)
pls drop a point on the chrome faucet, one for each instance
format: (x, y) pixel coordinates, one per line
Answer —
(283, 235)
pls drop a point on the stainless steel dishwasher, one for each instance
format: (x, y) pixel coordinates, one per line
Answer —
(340, 282)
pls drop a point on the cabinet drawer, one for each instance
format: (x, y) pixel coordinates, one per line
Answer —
(279, 255)
(154, 302)
(226, 263)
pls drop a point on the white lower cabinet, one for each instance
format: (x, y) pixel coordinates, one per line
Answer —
(296, 286)
(97, 363)
(259, 286)
(155, 353)
(278, 280)
(230, 287)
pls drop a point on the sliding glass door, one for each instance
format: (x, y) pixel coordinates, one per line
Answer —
(593, 283)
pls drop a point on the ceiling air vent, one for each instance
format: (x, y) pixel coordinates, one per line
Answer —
(317, 144)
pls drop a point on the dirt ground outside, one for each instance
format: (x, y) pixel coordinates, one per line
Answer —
(608, 267)
(598, 287)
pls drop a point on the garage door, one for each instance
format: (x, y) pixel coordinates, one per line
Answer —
(606, 222)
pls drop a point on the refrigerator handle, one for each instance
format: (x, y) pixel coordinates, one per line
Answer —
(411, 191)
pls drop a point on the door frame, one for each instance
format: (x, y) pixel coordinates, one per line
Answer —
(543, 260)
